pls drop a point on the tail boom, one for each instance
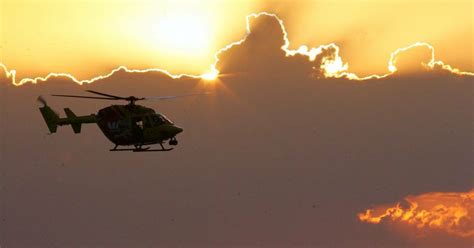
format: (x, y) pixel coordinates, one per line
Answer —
(53, 120)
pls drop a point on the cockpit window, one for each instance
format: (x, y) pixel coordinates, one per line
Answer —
(159, 120)
(166, 119)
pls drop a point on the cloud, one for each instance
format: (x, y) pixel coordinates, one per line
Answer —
(451, 212)
(419, 56)
(6, 76)
(306, 155)
(267, 40)
(261, 48)
(266, 47)
(413, 59)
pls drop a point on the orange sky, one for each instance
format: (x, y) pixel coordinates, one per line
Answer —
(89, 38)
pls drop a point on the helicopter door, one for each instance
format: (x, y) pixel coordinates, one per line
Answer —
(137, 128)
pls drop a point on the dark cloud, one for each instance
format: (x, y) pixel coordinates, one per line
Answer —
(413, 60)
(277, 156)
(265, 52)
(261, 52)
(4, 76)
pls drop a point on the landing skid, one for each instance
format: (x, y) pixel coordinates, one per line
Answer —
(140, 149)
(153, 150)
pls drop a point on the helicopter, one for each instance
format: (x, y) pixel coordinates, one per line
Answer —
(123, 125)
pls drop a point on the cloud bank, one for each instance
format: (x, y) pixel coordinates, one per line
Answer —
(267, 41)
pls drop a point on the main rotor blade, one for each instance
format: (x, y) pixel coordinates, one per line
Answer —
(108, 95)
(157, 98)
(88, 97)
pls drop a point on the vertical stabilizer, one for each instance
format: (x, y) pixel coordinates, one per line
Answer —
(72, 118)
(50, 117)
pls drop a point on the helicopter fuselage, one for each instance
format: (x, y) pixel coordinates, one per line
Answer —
(135, 125)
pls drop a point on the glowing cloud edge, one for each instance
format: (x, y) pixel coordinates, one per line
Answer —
(332, 68)
(447, 212)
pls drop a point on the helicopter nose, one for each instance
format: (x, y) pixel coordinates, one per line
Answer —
(177, 130)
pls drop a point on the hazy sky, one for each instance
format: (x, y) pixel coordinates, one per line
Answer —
(290, 150)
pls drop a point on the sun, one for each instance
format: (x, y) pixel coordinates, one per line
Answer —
(183, 33)
(210, 76)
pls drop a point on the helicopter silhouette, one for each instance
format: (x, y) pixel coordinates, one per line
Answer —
(124, 125)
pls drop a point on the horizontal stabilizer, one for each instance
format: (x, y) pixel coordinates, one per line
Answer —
(72, 118)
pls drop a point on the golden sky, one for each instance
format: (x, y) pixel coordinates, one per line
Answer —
(88, 38)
